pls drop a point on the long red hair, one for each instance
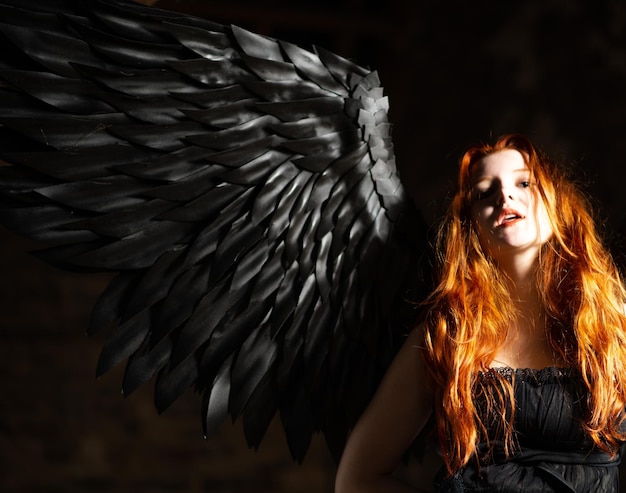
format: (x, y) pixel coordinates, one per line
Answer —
(583, 297)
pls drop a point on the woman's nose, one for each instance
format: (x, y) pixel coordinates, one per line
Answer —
(505, 195)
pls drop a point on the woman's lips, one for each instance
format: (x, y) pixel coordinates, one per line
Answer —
(509, 217)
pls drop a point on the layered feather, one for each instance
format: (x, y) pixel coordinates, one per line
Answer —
(244, 188)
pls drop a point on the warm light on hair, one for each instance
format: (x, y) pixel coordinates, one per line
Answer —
(465, 324)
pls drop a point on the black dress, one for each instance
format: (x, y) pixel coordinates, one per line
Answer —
(553, 454)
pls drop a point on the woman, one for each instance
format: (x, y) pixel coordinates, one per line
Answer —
(520, 356)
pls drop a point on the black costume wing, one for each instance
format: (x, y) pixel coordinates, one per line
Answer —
(244, 188)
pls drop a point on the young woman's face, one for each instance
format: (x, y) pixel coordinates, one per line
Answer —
(508, 211)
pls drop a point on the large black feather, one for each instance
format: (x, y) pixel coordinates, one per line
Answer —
(244, 187)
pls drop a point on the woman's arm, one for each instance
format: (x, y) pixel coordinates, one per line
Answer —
(399, 410)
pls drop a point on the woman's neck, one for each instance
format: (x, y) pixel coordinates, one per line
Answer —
(520, 267)
(526, 344)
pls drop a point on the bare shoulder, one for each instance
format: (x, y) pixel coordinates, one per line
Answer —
(414, 344)
(409, 365)
(398, 412)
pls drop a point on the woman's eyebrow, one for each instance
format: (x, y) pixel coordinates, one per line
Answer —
(490, 177)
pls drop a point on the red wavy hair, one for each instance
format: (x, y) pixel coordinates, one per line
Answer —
(582, 293)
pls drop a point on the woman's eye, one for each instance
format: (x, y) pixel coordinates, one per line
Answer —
(483, 194)
(525, 184)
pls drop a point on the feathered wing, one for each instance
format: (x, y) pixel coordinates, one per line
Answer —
(244, 188)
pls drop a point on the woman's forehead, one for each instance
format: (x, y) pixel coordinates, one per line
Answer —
(508, 161)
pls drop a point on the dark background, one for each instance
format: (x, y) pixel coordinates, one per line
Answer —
(456, 72)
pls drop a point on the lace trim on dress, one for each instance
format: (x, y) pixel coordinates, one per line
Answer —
(537, 376)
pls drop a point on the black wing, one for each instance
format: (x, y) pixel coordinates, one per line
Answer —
(244, 188)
